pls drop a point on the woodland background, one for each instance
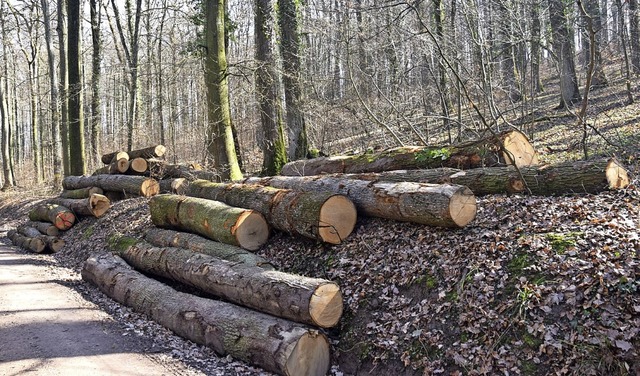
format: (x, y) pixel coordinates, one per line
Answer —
(344, 75)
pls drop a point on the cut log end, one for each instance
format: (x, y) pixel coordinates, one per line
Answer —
(138, 165)
(309, 357)
(64, 220)
(338, 217)
(99, 204)
(56, 245)
(150, 187)
(617, 175)
(36, 245)
(325, 306)
(462, 208)
(122, 165)
(251, 230)
(519, 150)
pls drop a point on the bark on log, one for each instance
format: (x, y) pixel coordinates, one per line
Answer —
(93, 206)
(170, 238)
(562, 178)
(176, 186)
(45, 228)
(507, 148)
(32, 244)
(138, 166)
(302, 299)
(156, 151)
(430, 204)
(323, 216)
(274, 344)
(81, 193)
(52, 243)
(60, 216)
(162, 170)
(134, 185)
(215, 220)
(116, 155)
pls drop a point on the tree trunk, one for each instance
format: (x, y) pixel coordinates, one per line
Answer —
(160, 169)
(64, 86)
(116, 155)
(60, 216)
(45, 228)
(491, 151)
(155, 151)
(274, 344)
(4, 118)
(170, 238)
(245, 228)
(220, 139)
(134, 185)
(272, 142)
(55, 103)
(568, 177)
(592, 8)
(78, 165)
(429, 204)
(289, 14)
(176, 186)
(323, 216)
(536, 42)
(302, 299)
(634, 35)
(563, 47)
(96, 71)
(93, 206)
(32, 244)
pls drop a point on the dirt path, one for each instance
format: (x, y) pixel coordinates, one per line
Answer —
(47, 328)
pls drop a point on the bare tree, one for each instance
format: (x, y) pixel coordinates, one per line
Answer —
(77, 164)
(96, 62)
(564, 50)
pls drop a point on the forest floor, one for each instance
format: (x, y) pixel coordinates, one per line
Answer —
(533, 286)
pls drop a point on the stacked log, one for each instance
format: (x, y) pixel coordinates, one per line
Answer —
(320, 215)
(274, 344)
(163, 170)
(117, 166)
(138, 166)
(93, 206)
(115, 156)
(442, 205)
(215, 220)
(31, 244)
(507, 148)
(302, 299)
(170, 238)
(134, 185)
(176, 186)
(58, 215)
(592, 176)
(45, 228)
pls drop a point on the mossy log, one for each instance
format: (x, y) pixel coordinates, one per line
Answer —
(170, 238)
(302, 299)
(324, 216)
(591, 176)
(114, 156)
(134, 185)
(36, 245)
(81, 193)
(275, 344)
(507, 148)
(45, 228)
(93, 206)
(176, 186)
(138, 166)
(218, 221)
(440, 205)
(60, 216)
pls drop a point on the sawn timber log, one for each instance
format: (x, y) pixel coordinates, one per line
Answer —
(302, 299)
(274, 344)
(507, 148)
(45, 228)
(114, 156)
(171, 238)
(324, 216)
(53, 243)
(60, 216)
(93, 206)
(81, 193)
(118, 166)
(430, 204)
(32, 244)
(134, 185)
(218, 221)
(590, 176)
(177, 186)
